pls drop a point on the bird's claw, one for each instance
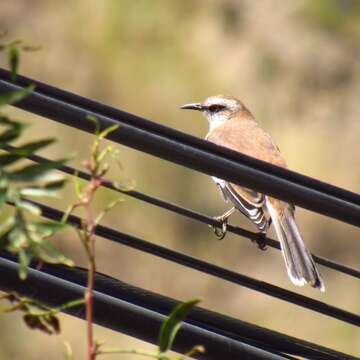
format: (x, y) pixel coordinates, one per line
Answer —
(261, 241)
(220, 232)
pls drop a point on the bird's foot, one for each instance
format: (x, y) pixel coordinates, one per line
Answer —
(261, 241)
(220, 231)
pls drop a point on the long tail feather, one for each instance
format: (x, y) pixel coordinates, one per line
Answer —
(299, 262)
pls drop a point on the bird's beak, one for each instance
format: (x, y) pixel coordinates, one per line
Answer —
(194, 106)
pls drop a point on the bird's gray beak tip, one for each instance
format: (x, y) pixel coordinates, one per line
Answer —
(194, 106)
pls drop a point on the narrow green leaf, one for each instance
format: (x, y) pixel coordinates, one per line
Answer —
(3, 193)
(15, 154)
(35, 172)
(77, 185)
(51, 177)
(7, 225)
(109, 207)
(14, 56)
(103, 134)
(47, 252)
(13, 97)
(48, 190)
(55, 185)
(68, 353)
(67, 213)
(5, 120)
(95, 121)
(39, 192)
(49, 228)
(11, 134)
(27, 206)
(17, 239)
(24, 260)
(8, 159)
(34, 146)
(6, 229)
(116, 156)
(172, 324)
(103, 153)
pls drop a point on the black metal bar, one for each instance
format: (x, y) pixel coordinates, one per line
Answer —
(238, 330)
(200, 155)
(197, 154)
(223, 325)
(191, 214)
(124, 316)
(211, 269)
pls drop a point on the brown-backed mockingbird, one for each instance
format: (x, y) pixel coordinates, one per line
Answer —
(233, 126)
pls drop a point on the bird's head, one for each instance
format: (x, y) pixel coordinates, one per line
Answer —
(217, 109)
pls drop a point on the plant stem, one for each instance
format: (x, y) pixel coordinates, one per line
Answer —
(89, 309)
(90, 240)
(87, 235)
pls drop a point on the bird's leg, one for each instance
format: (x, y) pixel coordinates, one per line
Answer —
(220, 232)
(261, 241)
(261, 238)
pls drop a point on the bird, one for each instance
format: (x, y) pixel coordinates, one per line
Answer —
(233, 126)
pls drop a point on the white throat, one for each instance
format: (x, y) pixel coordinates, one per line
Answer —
(215, 120)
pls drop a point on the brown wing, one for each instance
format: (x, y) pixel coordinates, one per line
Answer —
(248, 202)
(244, 135)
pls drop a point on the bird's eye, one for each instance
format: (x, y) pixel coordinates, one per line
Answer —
(216, 108)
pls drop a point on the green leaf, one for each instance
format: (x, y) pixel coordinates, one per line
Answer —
(36, 172)
(103, 153)
(13, 97)
(33, 146)
(39, 192)
(17, 239)
(7, 225)
(103, 134)
(28, 206)
(109, 207)
(6, 228)
(56, 185)
(77, 185)
(47, 323)
(68, 353)
(48, 229)
(47, 252)
(5, 120)
(25, 258)
(11, 134)
(15, 154)
(172, 324)
(48, 190)
(3, 194)
(8, 159)
(95, 121)
(14, 56)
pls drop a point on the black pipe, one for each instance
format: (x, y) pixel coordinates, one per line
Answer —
(124, 316)
(183, 149)
(211, 269)
(191, 214)
(224, 325)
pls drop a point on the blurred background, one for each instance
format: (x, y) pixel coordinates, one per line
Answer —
(295, 64)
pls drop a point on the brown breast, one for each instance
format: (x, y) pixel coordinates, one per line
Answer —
(243, 134)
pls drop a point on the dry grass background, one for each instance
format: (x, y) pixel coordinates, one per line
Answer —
(296, 66)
